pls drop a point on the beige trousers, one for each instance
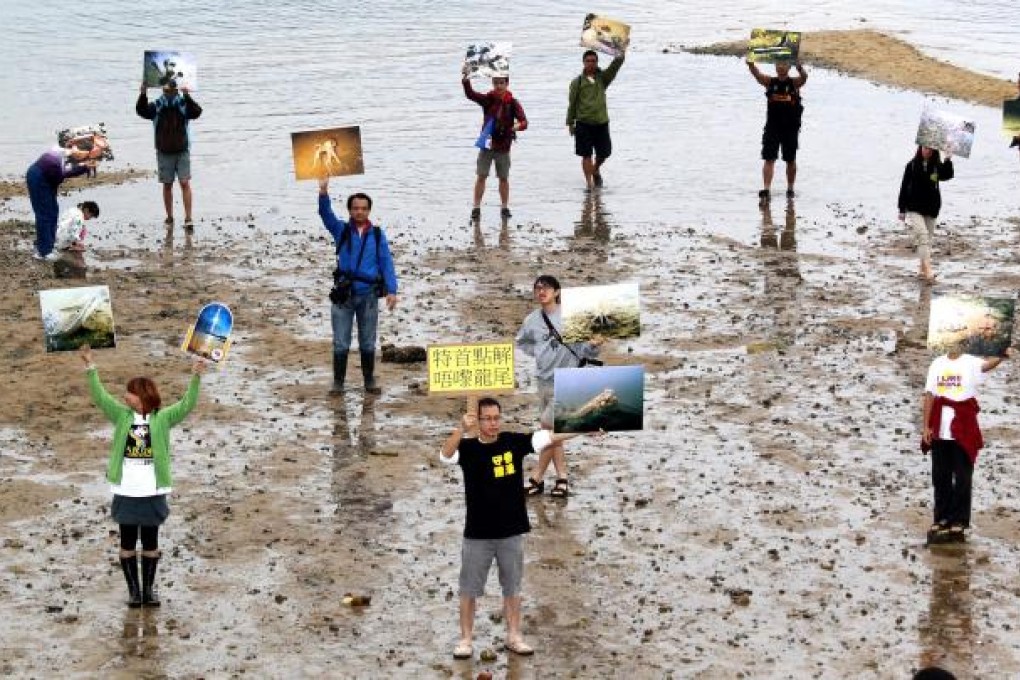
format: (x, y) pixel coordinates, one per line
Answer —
(924, 230)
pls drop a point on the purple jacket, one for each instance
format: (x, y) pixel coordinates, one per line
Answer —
(56, 167)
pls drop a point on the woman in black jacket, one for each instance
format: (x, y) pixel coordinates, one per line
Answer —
(920, 200)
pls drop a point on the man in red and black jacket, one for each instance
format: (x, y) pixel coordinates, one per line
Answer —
(503, 119)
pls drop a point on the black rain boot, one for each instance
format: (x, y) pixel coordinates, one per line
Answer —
(149, 596)
(368, 372)
(130, 567)
(339, 372)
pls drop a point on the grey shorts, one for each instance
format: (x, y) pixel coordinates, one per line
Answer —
(545, 405)
(172, 165)
(485, 159)
(476, 557)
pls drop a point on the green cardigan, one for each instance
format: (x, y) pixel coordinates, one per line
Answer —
(160, 422)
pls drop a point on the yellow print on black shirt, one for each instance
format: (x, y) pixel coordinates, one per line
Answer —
(139, 442)
(503, 465)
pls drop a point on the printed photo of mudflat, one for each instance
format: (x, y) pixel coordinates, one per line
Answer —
(768, 46)
(73, 317)
(609, 398)
(334, 152)
(982, 326)
(613, 312)
(946, 132)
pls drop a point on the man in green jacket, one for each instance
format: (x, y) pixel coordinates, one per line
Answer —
(588, 117)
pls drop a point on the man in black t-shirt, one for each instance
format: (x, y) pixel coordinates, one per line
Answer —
(782, 122)
(496, 514)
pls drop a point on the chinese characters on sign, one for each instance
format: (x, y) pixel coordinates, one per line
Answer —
(461, 369)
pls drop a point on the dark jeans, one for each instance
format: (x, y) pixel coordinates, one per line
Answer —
(43, 197)
(951, 473)
(366, 308)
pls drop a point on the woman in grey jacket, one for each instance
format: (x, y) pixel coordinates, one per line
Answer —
(539, 337)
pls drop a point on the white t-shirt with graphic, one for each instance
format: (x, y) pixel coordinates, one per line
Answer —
(139, 474)
(955, 379)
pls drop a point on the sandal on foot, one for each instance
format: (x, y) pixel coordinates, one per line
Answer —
(561, 489)
(519, 647)
(463, 651)
(533, 488)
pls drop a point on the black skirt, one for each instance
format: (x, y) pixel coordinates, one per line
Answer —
(146, 511)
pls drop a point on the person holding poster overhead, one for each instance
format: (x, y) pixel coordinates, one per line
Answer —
(540, 337)
(588, 115)
(138, 469)
(782, 123)
(503, 119)
(920, 200)
(496, 517)
(951, 433)
(170, 116)
(364, 272)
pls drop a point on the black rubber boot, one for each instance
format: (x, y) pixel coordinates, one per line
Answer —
(368, 372)
(339, 372)
(130, 567)
(149, 596)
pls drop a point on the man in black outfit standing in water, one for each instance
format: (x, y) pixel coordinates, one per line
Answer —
(782, 122)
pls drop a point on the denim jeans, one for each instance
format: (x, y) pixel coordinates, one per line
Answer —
(43, 197)
(366, 308)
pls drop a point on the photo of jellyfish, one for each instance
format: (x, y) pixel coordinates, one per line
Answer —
(605, 35)
(612, 311)
(161, 67)
(334, 152)
(610, 398)
(767, 46)
(982, 326)
(948, 133)
(209, 338)
(488, 59)
(73, 317)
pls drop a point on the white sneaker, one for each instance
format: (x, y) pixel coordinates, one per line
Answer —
(37, 256)
(52, 257)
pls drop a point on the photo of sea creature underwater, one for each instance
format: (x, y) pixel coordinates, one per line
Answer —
(609, 398)
(73, 317)
(488, 59)
(334, 152)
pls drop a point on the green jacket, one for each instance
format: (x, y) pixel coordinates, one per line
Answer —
(160, 422)
(587, 103)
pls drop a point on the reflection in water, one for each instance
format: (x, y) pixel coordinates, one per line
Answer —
(354, 496)
(504, 234)
(71, 265)
(140, 637)
(594, 222)
(946, 632)
(782, 273)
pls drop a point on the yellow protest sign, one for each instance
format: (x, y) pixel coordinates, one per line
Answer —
(471, 368)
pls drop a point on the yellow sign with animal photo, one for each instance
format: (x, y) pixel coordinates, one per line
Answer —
(768, 46)
(334, 152)
(464, 369)
(612, 312)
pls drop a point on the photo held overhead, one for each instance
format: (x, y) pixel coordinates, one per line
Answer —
(165, 67)
(73, 317)
(605, 35)
(610, 398)
(487, 60)
(612, 311)
(91, 138)
(334, 152)
(949, 133)
(209, 338)
(1011, 117)
(768, 46)
(982, 326)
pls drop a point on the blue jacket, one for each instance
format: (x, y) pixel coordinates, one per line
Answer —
(348, 255)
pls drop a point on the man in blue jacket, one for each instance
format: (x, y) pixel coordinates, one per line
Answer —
(364, 273)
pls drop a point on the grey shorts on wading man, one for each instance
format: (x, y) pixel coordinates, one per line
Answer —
(172, 165)
(486, 158)
(476, 557)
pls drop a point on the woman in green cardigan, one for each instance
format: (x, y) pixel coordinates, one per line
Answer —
(139, 469)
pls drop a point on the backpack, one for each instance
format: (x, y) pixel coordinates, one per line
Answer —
(171, 128)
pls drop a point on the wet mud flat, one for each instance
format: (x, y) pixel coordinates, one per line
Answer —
(769, 521)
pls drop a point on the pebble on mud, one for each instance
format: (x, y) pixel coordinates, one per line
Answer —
(487, 655)
(352, 600)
